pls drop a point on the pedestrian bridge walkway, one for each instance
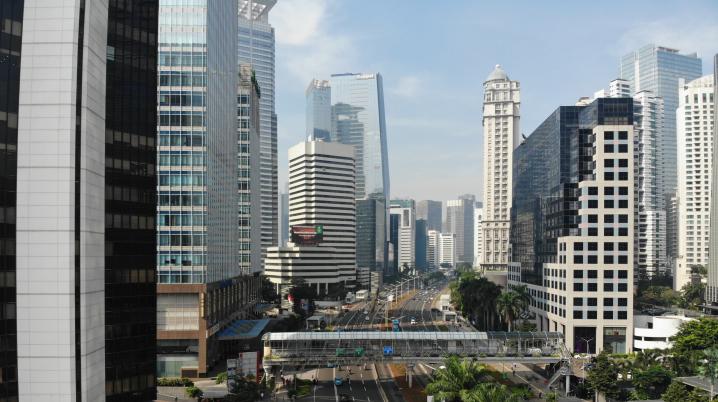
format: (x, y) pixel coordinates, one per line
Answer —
(320, 349)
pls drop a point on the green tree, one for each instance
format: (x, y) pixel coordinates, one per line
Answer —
(509, 306)
(489, 392)
(245, 389)
(551, 397)
(603, 377)
(692, 296)
(688, 344)
(193, 392)
(457, 375)
(268, 291)
(709, 367)
(300, 291)
(658, 295)
(652, 382)
(475, 297)
(676, 392)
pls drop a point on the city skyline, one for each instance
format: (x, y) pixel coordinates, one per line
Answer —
(332, 38)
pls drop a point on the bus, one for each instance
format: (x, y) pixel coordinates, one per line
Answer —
(395, 327)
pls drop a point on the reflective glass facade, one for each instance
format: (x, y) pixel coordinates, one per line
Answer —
(657, 69)
(130, 201)
(547, 168)
(11, 13)
(358, 119)
(197, 142)
(256, 47)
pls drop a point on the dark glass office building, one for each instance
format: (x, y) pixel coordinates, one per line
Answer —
(371, 234)
(130, 183)
(421, 242)
(11, 12)
(547, 168)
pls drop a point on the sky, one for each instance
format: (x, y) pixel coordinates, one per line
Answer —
(435, 55)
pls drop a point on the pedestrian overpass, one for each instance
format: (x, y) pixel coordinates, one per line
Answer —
(322, 349)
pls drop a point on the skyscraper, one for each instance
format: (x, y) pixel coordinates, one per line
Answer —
(572, 224)
(358, 120)
(420, 248)
(460, 221)
(284, 218)
(712, 288)
(447, 249)
(321, 199)
(695, 165)
(204, 207)
(256, 47)
(78, 261)
(319, 110)
(370, 234)
(432, 212)
(657, 69)
(501, 137)
(432, 249)
(405, 210)
(478, 243)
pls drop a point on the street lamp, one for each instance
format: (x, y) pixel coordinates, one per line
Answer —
(588, 341)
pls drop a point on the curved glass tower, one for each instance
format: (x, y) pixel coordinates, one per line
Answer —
(358, 119)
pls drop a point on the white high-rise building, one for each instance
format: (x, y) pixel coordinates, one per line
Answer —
(432, 249)
(406, 250)
(321, 194)
(501, 137)
(712, 288)
(478, 244)
(650, 234)
(447, 249)
(694, 118)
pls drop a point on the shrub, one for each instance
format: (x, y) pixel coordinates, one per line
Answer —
(221, 377)
(174, 382)
(193, 392)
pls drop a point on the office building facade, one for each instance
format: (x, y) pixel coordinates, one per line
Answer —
(370, 234)
(432, 249)
(431, 212)
(206, 146)
(78, 198)
(406, 234)
(319, 110)
(712, 287)
(358, 120)
(501, 136)
(695, 166)
(421, 245)
(460, 221)
(447, 250)
(572, 224)
(478, 243)
(256, 47)
(321, 195)
(658, 69)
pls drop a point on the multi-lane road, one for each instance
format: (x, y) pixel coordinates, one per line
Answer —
(374, 382)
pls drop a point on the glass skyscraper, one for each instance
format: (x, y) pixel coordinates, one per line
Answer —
(358, 119)
(319, 110)
(207, 140)
(657, 69)
(256, 48)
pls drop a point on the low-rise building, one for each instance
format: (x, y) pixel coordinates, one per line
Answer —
(651, 332)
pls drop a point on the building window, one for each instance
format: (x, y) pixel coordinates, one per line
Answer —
(608, 302)
(577, 314)
(608, 148)
(608, 315)
(578, 274)
(608, 287)
(592, 287)
(591, 315)
(622, 315)
(578, 287)
(622, 274)
(578, 301)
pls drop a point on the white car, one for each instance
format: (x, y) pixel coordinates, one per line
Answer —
(413, 321)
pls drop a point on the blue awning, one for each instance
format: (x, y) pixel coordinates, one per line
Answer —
(243, 329)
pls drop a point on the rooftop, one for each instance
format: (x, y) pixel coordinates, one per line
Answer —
(498, 74)
(259, 8)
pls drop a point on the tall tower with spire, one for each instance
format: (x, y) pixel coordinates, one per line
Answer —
(501, 136)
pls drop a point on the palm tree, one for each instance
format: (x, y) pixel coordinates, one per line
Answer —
(508, 305)
(489, 392)
(523, 294)
(457, 375)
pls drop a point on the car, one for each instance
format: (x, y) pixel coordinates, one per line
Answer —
(413, 321)
(338, 381)
(366, 318)
(345, 398)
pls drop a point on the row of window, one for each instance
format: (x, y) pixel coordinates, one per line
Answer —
(183, 78)
(184, 59)
(593, 204)
(608, 190)
(607, 274)
(185, 159)
(176, 178)
(181, 139)
(593, 315)
(195, 239)
(607, 259)
(177, 200)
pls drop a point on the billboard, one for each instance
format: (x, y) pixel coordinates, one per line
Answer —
(307, 235)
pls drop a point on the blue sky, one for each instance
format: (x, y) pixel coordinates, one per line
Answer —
(434, 56)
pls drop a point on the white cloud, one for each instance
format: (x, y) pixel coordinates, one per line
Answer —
(407, 86)
(697, 35)
(306, 46)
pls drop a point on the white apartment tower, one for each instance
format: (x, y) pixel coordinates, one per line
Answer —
(321, 193)
(432, 249)
(447, 249)
(406, 250)
(478, 243)
(501, 137)
(694, 120)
